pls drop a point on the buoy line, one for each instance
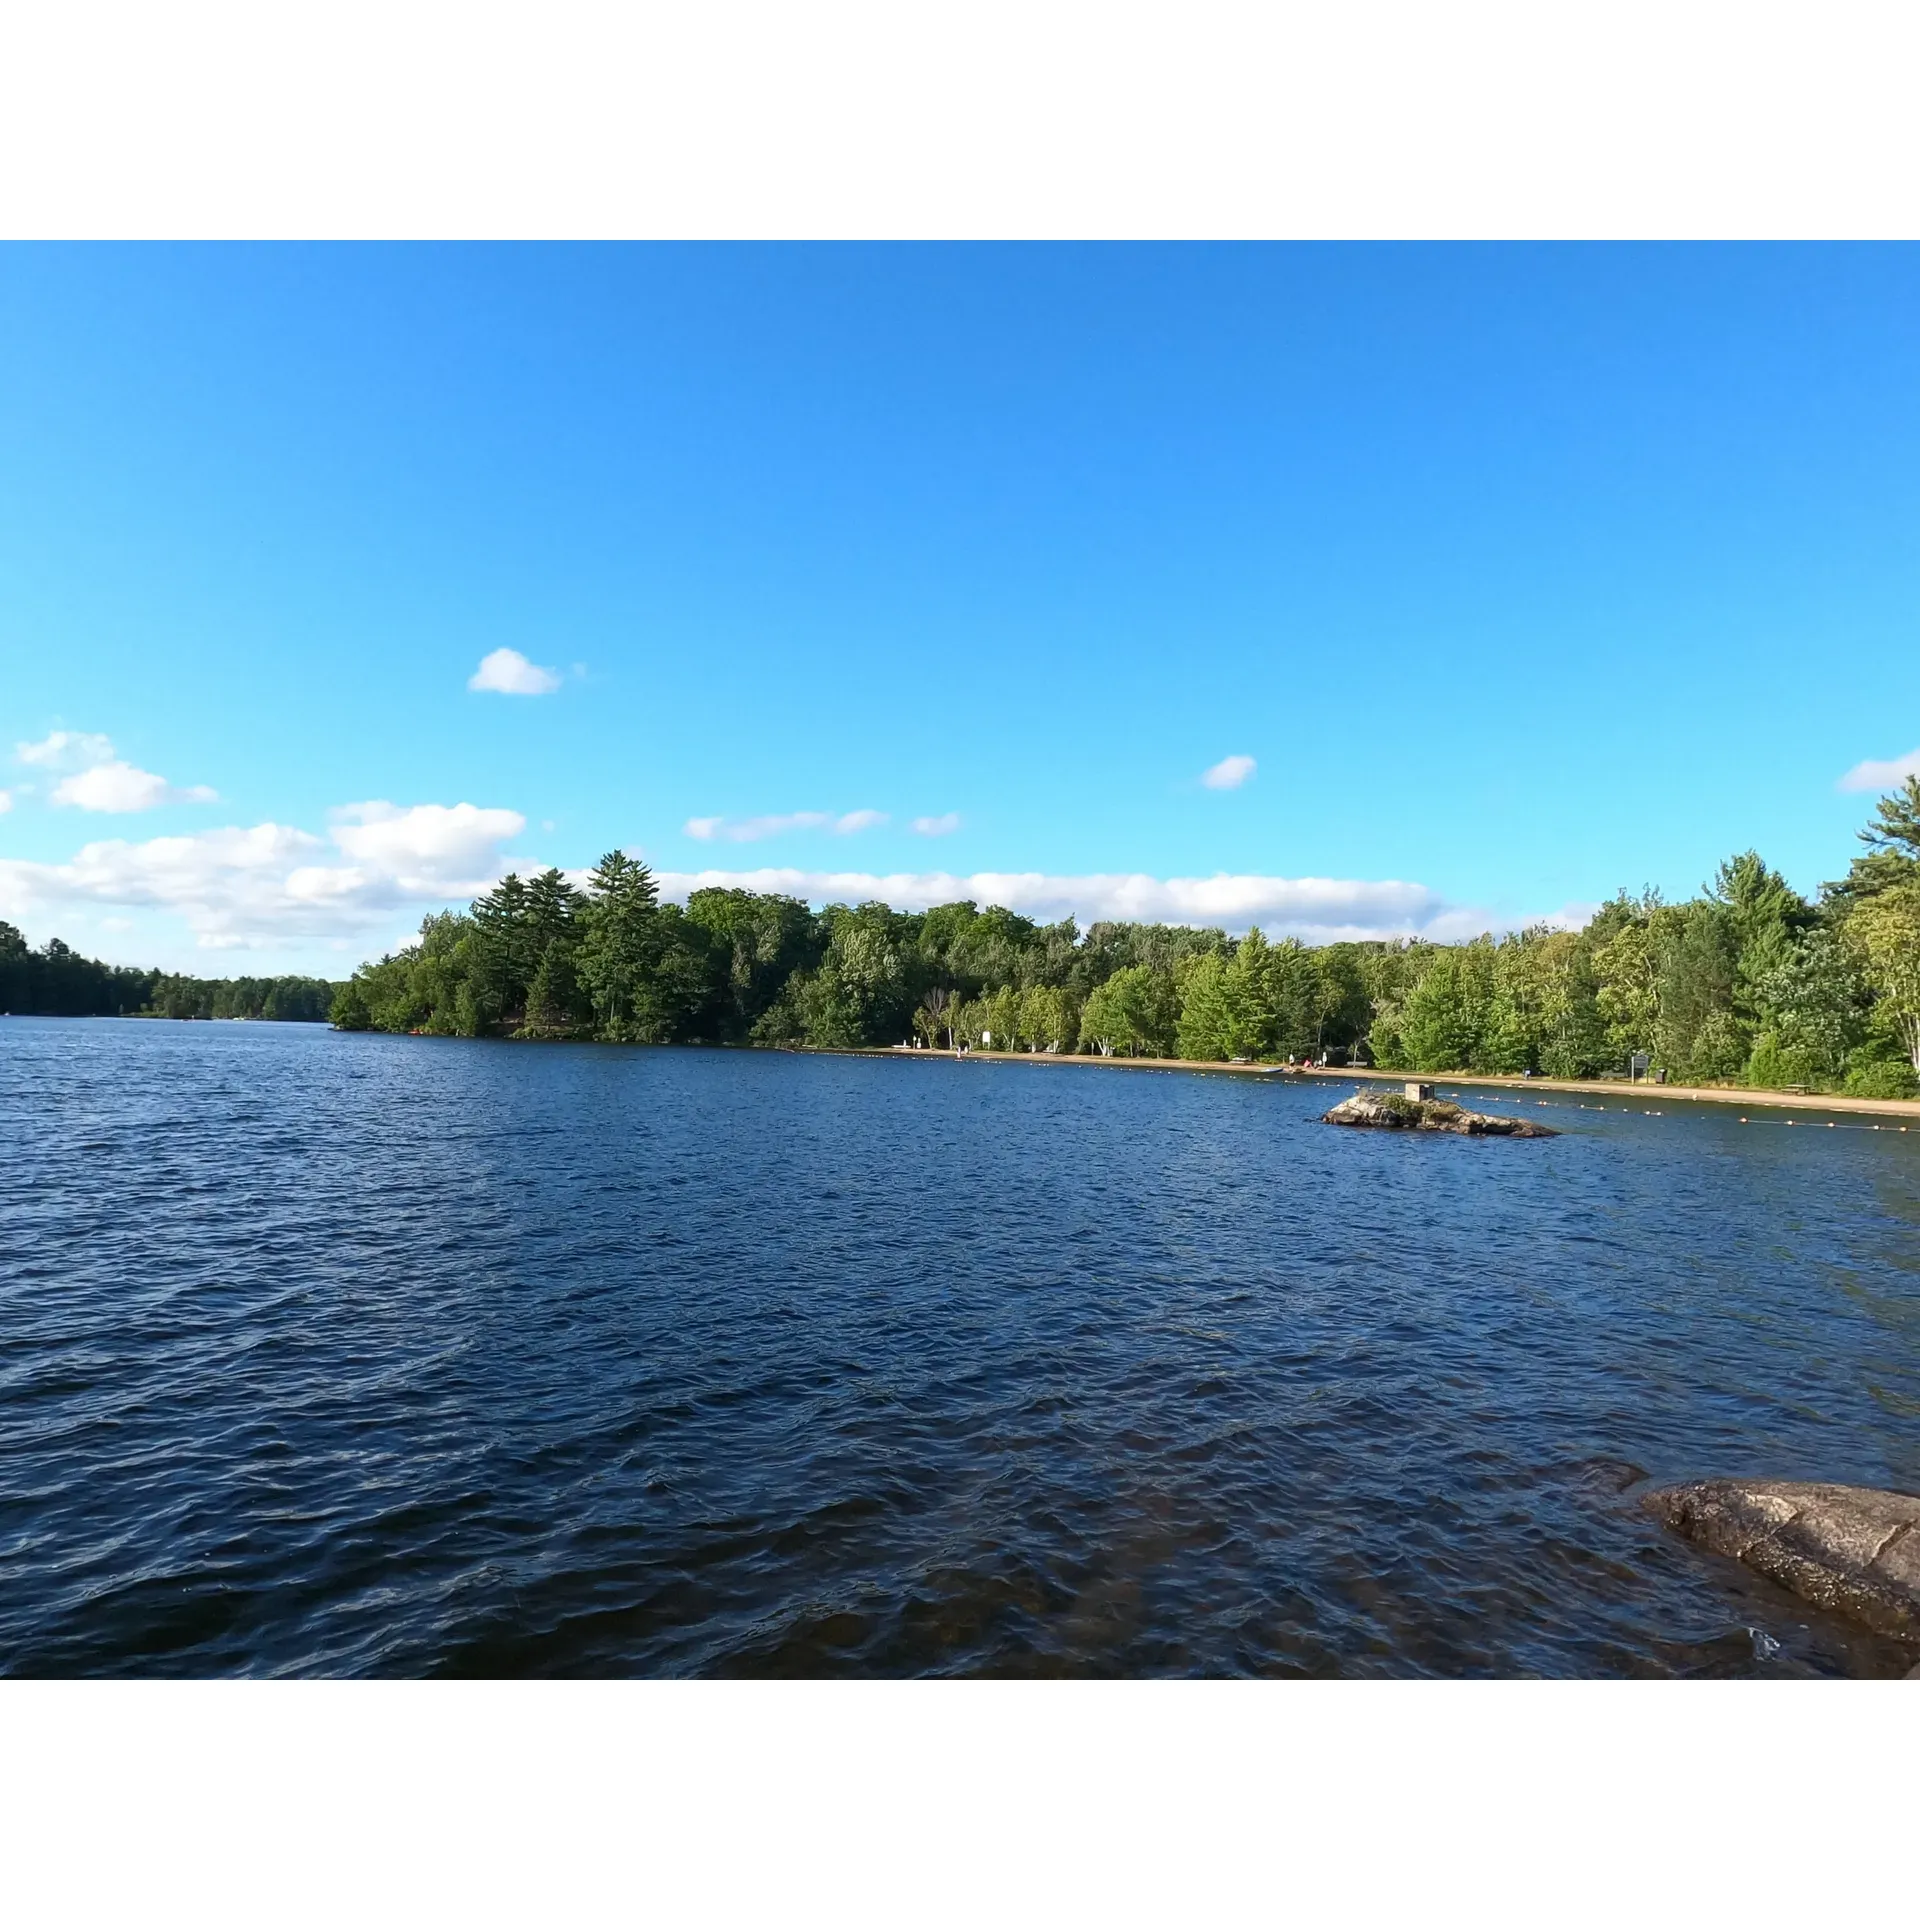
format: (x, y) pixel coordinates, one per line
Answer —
(1658, 1113)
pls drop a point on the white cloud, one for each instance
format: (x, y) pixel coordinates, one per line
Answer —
(64, 752)
(6, 801)
(272, 885)
(506, 670)
(116, 787)
(432, 852)
(1874, 776)
(1311, 909)
(221, 881)
(1234, 771)
(764, 826)
(95, 781)
(935, 824)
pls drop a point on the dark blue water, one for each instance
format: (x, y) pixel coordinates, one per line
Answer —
(339, 1354)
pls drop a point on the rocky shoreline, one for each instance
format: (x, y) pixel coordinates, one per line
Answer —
(1851, 1550)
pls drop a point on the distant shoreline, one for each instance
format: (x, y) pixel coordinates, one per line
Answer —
(1620, 1090)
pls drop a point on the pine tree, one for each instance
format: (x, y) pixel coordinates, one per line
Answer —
(1892, 840)
(619, 950)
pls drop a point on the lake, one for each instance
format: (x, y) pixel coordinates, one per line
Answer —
(343, 1354)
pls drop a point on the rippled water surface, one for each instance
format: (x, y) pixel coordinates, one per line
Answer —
(339, 1354)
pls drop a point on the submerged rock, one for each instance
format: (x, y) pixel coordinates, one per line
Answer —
(1369, 1109)
(1852, 1550)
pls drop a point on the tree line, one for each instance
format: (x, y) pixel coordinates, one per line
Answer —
(1749, 982)
(287, 996)
(53, 979)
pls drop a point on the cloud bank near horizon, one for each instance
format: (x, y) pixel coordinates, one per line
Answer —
(1310, 909)
(275, 886)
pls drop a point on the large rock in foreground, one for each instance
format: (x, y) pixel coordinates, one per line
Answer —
(1370, 1109)
(1852, 1550)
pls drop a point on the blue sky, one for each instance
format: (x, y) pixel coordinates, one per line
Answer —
(1519, 574)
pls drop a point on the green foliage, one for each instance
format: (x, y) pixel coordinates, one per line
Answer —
(1812, 1004)
(1257, 1002)
(1113, 946)
(1626, 973)
(867, 984)
(969, 1021)
(1697, 955)
(1049, 1020)
(1342, 1002)
(1892, 840)
(1747, 982)
(1209, 1016)
(56, 980)
(976, 951)
(351, 1013)
(1885, 930)
(1000, 1019)
(1447, 1011)
(1548, 1003)
(1136, 1012)
(755, 943)
(933, 1017)
(1883, 1079)
(556, 1004)
(784, 1023)
(1392, 970)
(620, 949)
(284, 997)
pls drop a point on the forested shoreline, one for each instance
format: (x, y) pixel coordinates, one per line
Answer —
(1748, 983)
(53, 979)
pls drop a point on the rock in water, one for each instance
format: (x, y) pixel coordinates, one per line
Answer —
(1852, 1550)
(1369, 1109)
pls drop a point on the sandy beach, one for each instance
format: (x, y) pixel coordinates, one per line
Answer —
(1600, 1093)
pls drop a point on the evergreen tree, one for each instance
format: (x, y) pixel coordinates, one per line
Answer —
(1210, 1015)
(1444, 1019)
(1746, 980)
(620, 947)
(1892, 840)
(554, 1001)
(551, 903)
(503, 956)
